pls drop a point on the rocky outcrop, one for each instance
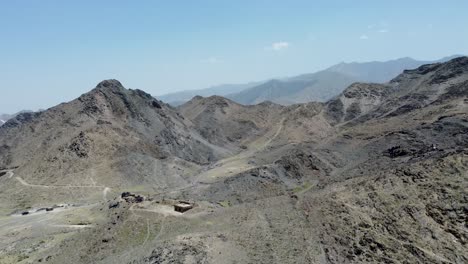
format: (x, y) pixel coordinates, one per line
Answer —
(79, 145)
(132, 198)
(357, 100)
(299, 163)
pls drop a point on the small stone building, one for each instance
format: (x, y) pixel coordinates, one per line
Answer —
(182, 207)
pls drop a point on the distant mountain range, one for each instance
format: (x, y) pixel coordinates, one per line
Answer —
(318, 86)
(178, 98)
(379, 72)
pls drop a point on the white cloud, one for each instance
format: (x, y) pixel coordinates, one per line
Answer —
(277, 46)
(363, 37)
(383, 31)
(211, 60)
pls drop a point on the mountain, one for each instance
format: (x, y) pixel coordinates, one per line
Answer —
(102, 133)
(319, 86)
(377, 174)
(324, 85)
(179, 98)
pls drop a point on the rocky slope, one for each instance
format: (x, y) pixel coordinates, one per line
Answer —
(5, 117)
(377, 174)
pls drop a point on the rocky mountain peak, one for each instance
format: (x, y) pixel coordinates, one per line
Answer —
(110, 84)
(217, 100)
(112, 97)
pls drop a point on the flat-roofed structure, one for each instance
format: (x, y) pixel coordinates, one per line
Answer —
(182, 207)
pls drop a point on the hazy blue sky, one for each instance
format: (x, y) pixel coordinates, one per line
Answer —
(53, 51)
